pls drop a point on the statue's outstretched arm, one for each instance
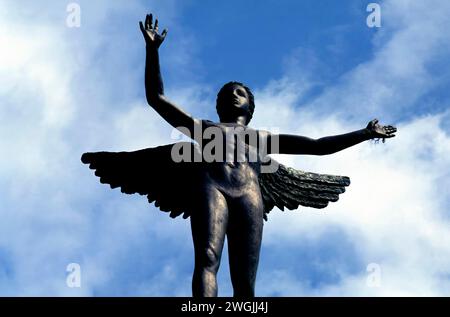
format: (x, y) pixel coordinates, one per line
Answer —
(154, 88)
(295, 144)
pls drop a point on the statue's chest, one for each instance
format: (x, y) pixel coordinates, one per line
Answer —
(228, 144)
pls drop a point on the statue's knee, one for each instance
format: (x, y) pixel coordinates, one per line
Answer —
(209, 259)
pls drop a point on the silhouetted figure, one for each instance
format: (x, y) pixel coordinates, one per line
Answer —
(230, 195)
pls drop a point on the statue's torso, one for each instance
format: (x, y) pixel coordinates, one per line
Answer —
(235, 170)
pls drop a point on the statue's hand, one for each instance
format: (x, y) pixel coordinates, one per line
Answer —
(378, 131)
(150, 32)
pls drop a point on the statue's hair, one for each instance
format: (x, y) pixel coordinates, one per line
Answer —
(221, 107)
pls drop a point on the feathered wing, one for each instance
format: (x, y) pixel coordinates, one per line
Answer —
(174, 186)
(288, 187)
(150, 172)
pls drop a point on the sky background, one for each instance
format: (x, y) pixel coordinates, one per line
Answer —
(315, 68)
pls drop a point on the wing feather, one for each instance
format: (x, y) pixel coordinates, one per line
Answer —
(150, 172)
(290, 188)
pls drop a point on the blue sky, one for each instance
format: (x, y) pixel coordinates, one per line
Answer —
(315, 69)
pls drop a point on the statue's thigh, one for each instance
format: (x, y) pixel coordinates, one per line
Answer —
(246, 225)
(209, 220)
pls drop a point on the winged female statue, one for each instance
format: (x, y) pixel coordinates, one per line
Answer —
(226, 193)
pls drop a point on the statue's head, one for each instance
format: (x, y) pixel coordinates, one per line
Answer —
(233, 100)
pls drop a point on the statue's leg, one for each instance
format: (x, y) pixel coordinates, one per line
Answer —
(244, 242)
(208, 223)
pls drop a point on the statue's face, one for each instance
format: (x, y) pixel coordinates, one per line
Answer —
(239, 97)
(234, 101)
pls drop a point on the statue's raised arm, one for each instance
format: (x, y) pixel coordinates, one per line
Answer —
(154, 87)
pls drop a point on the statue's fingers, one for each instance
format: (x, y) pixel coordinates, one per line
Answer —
(147, 21)
(156, 25)
(150, 21)
(373, 122)
(164, 33)
(391, 130)
(141, 26)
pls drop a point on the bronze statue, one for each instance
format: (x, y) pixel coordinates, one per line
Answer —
(227, 195)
